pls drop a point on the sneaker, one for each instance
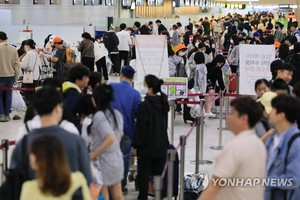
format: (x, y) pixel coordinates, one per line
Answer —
(2, 118)
(210, 114)
(7, 118)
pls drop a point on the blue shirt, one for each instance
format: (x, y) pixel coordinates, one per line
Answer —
(276, 169)
(126, 101)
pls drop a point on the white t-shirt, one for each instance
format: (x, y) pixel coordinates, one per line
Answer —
(36, 123)
(124, 40)
(243, 157)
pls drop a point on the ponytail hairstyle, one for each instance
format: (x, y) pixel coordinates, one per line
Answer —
(103, 96)
(30, 43)
(155, 84)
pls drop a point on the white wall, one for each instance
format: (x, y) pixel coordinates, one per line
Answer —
(52, 15)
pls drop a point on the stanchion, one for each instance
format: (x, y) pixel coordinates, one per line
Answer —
(219, 147)
(182, 160)
(171, 159)
(5, 147)
(172, 112)
(226, 109)
(157, 187)
(199, 140)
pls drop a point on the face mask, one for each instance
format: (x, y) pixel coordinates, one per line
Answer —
(276, 27)
(231, 41)
(26, 48)
(197, 44)
(144, 91)
(181, 53)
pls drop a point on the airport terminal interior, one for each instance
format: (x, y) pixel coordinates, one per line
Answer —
(223, 73)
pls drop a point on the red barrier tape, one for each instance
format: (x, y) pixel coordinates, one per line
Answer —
(18, 88)
(10, 143)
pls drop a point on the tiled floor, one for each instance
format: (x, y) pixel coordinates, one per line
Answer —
(211, 137)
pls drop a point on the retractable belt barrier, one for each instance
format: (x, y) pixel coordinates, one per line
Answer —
(18, 88)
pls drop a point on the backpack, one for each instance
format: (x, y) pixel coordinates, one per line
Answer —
(108, 41)
(70, 55)
(180, 69)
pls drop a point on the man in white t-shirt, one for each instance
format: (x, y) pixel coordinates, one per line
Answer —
(241, 164)
(124, 44)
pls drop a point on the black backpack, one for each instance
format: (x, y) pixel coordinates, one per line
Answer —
(108, 41)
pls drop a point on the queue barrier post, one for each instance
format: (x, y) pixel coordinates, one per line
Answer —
(182, 161)
(171, 159)
(157, 187)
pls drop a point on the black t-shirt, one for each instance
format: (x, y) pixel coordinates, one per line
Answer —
(61, 55)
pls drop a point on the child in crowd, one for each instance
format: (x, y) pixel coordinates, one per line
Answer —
(261, 86)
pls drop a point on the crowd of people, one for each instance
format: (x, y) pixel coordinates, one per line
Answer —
(79, 130)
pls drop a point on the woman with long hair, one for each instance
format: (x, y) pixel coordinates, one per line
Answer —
(106, 132)
(54, 179)
(151, 137)
(86, 48)
(31, 62)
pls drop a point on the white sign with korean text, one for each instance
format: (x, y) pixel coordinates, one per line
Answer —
(254, 64)
(151, 56)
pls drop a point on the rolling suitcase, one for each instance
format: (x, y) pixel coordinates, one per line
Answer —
(233, 83)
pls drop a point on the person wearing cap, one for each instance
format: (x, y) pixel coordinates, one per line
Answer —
(278, 33)
(59, 56)
(126, 101)
(256, 38)
(9, 73)
(111, 42)
(283, 164)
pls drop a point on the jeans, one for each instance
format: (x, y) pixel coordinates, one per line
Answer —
(126, 150)
(6, 95)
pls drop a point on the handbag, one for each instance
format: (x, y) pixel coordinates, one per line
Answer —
(11, 188)
(28, 74)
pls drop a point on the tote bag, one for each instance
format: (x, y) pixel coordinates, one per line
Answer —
(28, 74)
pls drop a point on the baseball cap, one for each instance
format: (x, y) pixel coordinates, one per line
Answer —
(180, 47)
(128, 71)
(256, 34)
(57, 40)
(266, 100)
(277, 44)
